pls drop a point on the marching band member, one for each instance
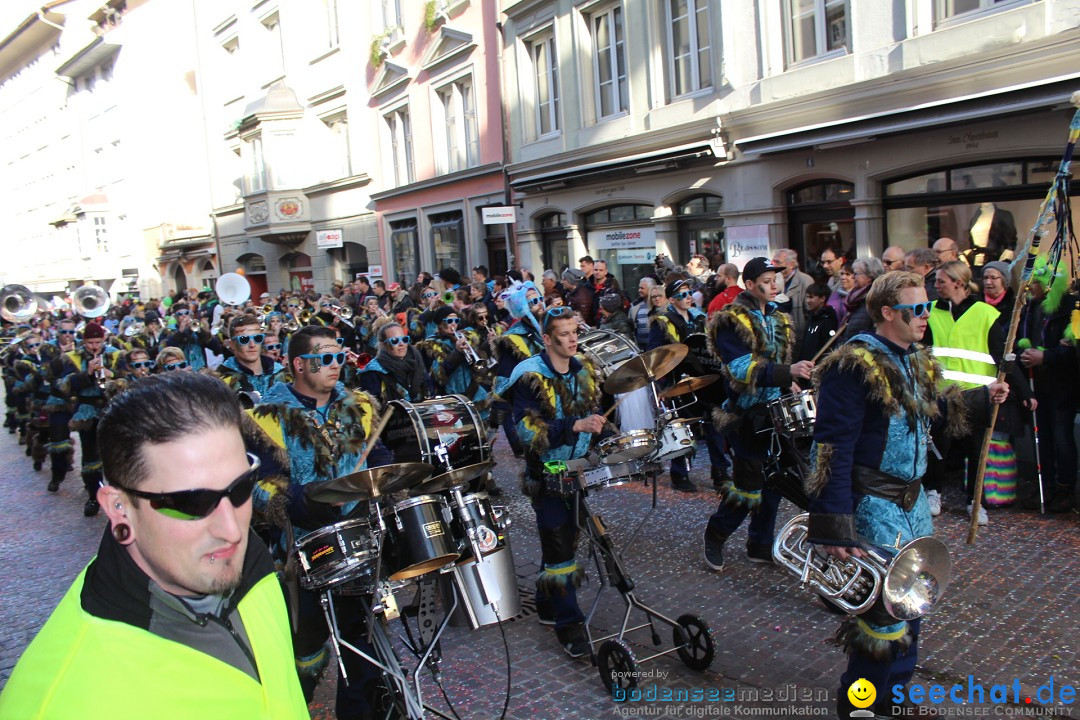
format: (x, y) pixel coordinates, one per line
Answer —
(61, 453)
(272, 346)
(248, 370)
(180, 614)
(679, 320)
(554, 395)
(398, 371)
(521, 341)
(79, 376)
(191, 339)
(445, 356)
(150, 339)
(31, 374)
(136, 364)
(878, 397)
(314, 429)
(755, 342)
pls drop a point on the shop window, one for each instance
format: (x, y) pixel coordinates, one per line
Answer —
(405, 250)
(448, 241)
(820, 216)
(554, 245)
(701, 230)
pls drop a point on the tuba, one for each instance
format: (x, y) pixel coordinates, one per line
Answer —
(17, 304)
(910, 579)
(233, 289)
(91, 301)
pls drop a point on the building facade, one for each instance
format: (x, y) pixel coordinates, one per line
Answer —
(105, 155)
(733, 129)
(435, 92)
(289, 140)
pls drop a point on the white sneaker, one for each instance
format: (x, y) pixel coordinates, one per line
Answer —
(983, 520)
(933, 499)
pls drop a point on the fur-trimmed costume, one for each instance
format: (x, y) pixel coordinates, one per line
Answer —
(241, 379)
(451, 373)
(877, 406)
(75, 387)
(297, 444)
(546, 404)
(755, 347)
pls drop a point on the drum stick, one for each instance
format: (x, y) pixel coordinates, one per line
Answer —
(827, 345)
(617, 403)
(375, 433)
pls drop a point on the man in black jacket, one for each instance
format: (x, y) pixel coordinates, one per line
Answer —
(821, 322)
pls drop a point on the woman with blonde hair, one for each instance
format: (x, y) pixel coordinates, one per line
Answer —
(967, 336)
(171, 358)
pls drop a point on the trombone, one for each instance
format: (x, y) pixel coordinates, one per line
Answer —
(342, 313)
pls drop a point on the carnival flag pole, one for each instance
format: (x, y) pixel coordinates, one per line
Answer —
(1054, 208)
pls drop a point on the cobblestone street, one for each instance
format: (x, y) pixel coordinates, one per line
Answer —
(1010, 613)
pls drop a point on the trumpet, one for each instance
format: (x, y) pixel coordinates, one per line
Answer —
(305, 317)
(290, 325)
(267, 309)
(133, 329)
(342, 313)
(471, 356)
(909, 579)
(449, 297)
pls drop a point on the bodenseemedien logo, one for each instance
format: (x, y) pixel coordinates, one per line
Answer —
(862, 694)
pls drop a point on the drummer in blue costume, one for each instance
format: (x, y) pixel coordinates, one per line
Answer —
(313, 430)
(879, 401)
(554, 397)
(754, 340)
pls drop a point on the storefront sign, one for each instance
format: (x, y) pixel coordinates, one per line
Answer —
(329, 238)
(497, 215)
(635, 257)
(746, 242)
(374, 271)
(643, 237)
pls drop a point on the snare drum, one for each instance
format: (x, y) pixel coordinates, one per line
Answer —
(605, 476)
(418, 537)
(794, 415)
(487, 526)
(607, 350)
(337, 554)
(676, 440)
(446, 432)
(632, 445)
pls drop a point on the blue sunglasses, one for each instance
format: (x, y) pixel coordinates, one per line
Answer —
(400, 340)
(919, 310)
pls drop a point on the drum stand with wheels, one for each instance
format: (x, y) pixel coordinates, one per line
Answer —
(616, 661)
(378, 609)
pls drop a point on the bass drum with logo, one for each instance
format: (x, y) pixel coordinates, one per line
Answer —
(446, 432)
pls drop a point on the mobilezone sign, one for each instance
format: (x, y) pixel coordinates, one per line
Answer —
(640, 237)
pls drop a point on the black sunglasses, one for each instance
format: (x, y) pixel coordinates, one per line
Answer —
(272, 347)
(197, 504)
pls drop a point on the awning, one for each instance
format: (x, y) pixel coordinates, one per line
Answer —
(87, 58)
(967, 108)
(654, 160)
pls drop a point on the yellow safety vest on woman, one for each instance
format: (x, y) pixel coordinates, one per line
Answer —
(962, 346)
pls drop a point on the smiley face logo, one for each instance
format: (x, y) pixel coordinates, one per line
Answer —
(862, 693)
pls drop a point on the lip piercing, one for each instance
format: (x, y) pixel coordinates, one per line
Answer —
(211, 559)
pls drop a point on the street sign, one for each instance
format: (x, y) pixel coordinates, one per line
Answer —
(497, 215)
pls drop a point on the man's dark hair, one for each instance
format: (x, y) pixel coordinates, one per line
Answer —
(242, 321)
(819, 290)
(157, 410)
(301, 341)
(380, 284)
(482, 269)
(587, 258)
(363, 279)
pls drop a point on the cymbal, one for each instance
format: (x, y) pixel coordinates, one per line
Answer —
(688, 385)
(370, 483)
(639, 371)
(460, 476)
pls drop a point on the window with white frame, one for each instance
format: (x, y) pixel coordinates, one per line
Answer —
(391, 13)
(609, 61)
(275, 60)
(946, 9)
(689, 46)
(256, 180)
(461, 148)
(340, 150)
(815, 27)
(101, 234)
(546, 82)
(330, 12)
(399, 145)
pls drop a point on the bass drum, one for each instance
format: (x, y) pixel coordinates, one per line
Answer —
(607, 350)
(444, 426)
